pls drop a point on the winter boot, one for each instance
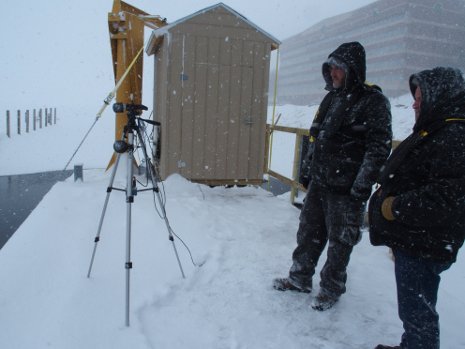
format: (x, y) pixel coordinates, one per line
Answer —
(380, 346)
(323, 301)
(285, 284)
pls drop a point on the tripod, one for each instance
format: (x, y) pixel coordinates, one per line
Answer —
(126, 146)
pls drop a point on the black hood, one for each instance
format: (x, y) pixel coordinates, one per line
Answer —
(443, 95)
(352, 54)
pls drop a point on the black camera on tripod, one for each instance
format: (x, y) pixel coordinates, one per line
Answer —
(121, 146)
(135, 109)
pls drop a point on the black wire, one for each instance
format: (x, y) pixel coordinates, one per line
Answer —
(150, 172)
(136, 148)
(187, 248)
(162, 193)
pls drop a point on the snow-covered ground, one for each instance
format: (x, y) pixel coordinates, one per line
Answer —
(240, 238)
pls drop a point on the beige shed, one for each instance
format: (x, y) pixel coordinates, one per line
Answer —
(211, 96)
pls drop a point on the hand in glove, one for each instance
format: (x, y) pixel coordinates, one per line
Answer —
(386, 208)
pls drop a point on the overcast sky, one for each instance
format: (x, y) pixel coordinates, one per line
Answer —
(278, 17)
(52, 50)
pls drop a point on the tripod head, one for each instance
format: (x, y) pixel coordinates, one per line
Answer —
(132, 110)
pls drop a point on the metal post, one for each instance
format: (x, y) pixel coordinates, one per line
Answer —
(129, 201)
(19, 122)
(78, 172)
(40, 118)
(102, 216)
(34, 120)
(27, 121)
(8, 123)
(54, 115)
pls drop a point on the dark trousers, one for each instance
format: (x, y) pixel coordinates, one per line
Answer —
(326, 217)
(417, 292)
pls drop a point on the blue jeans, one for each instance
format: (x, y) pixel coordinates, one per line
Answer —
(417, 292)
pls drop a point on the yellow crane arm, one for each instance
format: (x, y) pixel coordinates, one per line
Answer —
(126, 26)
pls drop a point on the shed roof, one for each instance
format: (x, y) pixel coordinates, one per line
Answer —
(157, 35)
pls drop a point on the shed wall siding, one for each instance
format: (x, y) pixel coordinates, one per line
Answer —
(211, 98)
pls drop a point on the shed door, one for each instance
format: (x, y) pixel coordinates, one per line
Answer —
(222, 108)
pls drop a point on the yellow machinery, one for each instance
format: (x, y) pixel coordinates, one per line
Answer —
(126, 26)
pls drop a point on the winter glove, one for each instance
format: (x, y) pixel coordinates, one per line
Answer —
(386, 208)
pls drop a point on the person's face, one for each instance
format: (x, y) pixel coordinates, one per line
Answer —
(417, 103)
(337, 75)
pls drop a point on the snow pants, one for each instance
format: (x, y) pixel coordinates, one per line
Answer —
(417, 292)
(326, 217)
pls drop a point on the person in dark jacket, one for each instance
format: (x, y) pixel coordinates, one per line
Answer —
(350, 141)
(419, 208)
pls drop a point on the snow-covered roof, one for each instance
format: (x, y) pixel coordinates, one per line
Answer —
(154, 39)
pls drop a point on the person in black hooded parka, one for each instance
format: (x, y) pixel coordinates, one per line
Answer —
(350, 141)
(419, 209)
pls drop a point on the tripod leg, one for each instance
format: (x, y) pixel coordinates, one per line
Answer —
(164, 215)
(128, 264)
(130, 187)
(97, 237)
(153, 178)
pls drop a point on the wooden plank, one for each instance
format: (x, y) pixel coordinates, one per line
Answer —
(234, 110)
(267, 149)
(200, 101)
(161, 105)
(223, 109)
(286, 180)
(211, 115)
(174, 111)
(187, 78)
(299, 131)
(246, 117)
(233, 32)
(259, 104)
(228, 182)
(295, 165)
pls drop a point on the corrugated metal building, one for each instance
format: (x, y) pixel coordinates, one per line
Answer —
(211, 96)
(400, 37)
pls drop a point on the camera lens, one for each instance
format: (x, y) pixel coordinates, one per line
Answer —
(120, 146)
(119, 107)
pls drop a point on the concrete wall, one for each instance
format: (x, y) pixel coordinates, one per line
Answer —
(400, 37)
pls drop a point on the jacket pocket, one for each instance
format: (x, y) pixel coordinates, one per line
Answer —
(375, 219)
(342, 174)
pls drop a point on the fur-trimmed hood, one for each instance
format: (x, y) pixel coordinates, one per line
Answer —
(443, 95)
(352, 55)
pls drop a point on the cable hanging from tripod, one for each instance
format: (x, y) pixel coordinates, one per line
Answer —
(106, 103)
(160, 194)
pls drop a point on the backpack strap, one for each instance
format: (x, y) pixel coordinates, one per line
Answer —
(320, 116)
